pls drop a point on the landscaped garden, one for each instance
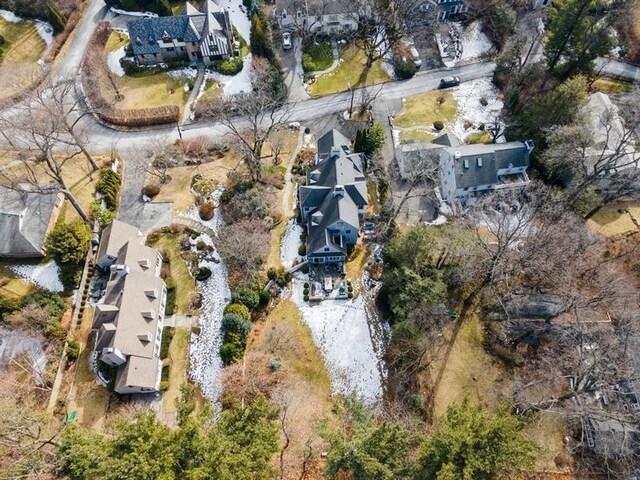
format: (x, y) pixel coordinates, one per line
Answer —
(351, 73)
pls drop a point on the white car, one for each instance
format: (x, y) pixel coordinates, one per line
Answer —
(286, 40)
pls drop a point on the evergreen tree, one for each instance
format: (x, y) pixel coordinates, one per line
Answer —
(578, 31)
(261, 44)
(68, 242)
(472, 444)
(357, 145)
(373, 139)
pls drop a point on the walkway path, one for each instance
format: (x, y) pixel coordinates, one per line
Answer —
(334, 65)
(287, 202)
(189, 222)
(186, 117)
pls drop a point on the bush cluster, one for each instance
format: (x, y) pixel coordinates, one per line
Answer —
(150, 190)
(108, 185)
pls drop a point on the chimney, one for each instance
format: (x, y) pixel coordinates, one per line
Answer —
(457, 155)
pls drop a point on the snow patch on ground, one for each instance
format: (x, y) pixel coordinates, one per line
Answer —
(14, 344)
(113, 61)
(474, 42)
(290, 243)
(206, 364)
(468, 96)
(45, 276)
(238, 15)
(44, 29)
(133, 14)
(340, 329)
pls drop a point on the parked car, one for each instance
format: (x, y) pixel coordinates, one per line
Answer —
(286, 40)
(447, 82)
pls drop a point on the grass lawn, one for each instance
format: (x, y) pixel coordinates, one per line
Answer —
(372, 190)
(471, 371)
(19, 66)
(212, 89)
(350, 72)
(355, 265)
(417, 135)
(606, 85)
(316, 58)
(87, 396)
(426, 108)
(613, 219)
(178, 353)
(178, 190)
(16, 288)
(115, 41)
(148, 91)
(185, 283)
(478, 137)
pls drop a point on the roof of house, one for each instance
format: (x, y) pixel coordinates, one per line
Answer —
(115, 236)
(330, 140)
(334, 208)
(138, 372)
(24, 220)
(476, 165)
(145, 33)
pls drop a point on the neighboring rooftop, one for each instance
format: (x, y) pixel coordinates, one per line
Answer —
(25, 219)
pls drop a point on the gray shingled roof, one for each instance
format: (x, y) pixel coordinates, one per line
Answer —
(333, 138)
(448, 140)
(146, 32)
(333, 208)
(24, 221)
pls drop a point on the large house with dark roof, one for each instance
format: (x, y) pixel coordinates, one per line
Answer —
(26, 217)
(196, 36)
(467, 170)
(334, 200)
(128, 321)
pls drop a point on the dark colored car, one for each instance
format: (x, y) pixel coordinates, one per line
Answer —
(447, 82)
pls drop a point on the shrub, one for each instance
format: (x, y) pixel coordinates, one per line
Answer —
(438, 125)
(305, 268)
(403, 65)
(230, 352)
(51, 302)
(232, 322)
(307, 130)
(150, 190)
(170, 283)
(302, 250)
(167, 336)
(202, 274)
(238, 309)
(205, 210)
(195, 299)
(373, 139)
(350, 295)
(201, 245)
(306, 298)
(73, 350)
(247, 296)
(232, 66)
(170, 306)
(164, 385)
(265, 298)
(108, 185)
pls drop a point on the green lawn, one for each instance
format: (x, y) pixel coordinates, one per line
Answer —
(417, 135)
(611, 86)
(478, 137)
(116, 40)
(316, 58)
(350, 72)
(426, 108)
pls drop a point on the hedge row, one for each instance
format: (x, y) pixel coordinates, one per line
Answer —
(109, 186)
(140, 117)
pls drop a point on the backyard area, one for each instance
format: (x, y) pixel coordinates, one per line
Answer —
(19, 56)
(616, 219)
(350, 73)
(177, 362)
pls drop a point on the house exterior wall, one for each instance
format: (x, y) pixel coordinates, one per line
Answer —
(332, 24)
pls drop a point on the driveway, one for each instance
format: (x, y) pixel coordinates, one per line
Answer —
(147, 216)
(293, 73)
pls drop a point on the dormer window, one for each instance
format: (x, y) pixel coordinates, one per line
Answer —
(166, 37)
(144, 263)
(151, 293)
(144, 337)
(149, 315)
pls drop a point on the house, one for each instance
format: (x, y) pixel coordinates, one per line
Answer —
(195, 36)
(466, 170)
(333, 201)
(26, 217)
(314, 16)
(128, 321)
(441, 10)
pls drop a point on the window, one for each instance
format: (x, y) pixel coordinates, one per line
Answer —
(170, 49)
(326, 249)
(348, 232)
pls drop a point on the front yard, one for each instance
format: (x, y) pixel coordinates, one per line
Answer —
(426, 108)
(316, 56)
(351, 73)
(19, 57)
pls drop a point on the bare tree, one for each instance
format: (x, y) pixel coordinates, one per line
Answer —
(367, 97)
(252, 117)
(277, 143)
